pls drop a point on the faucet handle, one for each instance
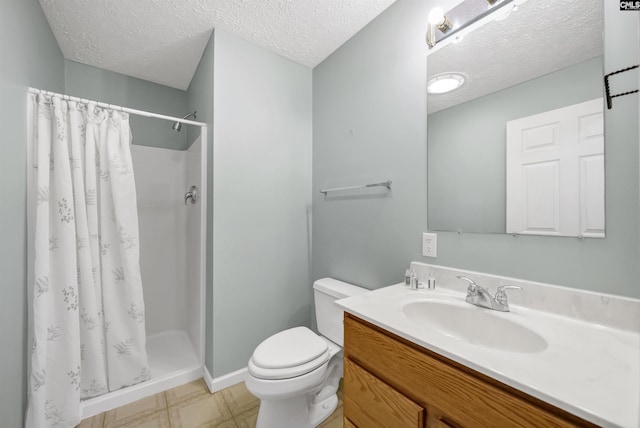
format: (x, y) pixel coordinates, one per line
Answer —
(501, 295)
(472, 284)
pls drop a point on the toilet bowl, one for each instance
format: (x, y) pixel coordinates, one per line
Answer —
(296, 373)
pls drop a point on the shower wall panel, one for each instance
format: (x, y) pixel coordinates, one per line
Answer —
(162, 217)
(195, 238)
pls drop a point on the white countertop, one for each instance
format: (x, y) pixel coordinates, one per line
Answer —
(589, 370)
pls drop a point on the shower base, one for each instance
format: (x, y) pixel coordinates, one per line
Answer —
(172, 360)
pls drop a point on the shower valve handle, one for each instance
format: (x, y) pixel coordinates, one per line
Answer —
(191, 194)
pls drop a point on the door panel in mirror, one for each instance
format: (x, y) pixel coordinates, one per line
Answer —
(555, 172)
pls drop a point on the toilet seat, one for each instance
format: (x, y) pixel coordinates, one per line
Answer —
(289, 354)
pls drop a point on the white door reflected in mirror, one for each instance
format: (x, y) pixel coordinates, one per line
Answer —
(555, 172)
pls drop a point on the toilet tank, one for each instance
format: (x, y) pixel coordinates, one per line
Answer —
(329, 316)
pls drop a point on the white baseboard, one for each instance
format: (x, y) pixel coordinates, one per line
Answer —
(224, 381)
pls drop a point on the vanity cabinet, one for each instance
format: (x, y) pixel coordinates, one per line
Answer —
(393, 383)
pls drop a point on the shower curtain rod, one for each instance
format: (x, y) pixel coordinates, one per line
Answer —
(116, 107)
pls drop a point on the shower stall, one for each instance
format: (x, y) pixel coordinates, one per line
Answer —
(171, 206)
(172, 246)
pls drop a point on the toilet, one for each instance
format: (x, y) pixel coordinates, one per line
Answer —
(295, 373)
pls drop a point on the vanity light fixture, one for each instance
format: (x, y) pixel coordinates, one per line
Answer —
(437, 20)
(504, 13)
(466, 16)
(445, 82)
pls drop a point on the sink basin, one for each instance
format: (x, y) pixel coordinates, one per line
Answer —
(474, 325)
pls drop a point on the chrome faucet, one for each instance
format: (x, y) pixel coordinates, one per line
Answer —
(480, 296)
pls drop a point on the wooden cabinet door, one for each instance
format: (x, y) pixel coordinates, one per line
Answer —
(437, 387)
(437, 419)
(347, 423)
(442, 424)
(371, 403)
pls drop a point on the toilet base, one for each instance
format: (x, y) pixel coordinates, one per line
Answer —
(321, 411)
(296, 412)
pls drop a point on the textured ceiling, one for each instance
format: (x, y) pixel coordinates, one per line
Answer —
(542, 36)
(163, 40)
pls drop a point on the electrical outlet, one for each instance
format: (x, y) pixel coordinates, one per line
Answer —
(430, 245)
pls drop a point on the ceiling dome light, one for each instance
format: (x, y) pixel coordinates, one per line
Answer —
(444, 82)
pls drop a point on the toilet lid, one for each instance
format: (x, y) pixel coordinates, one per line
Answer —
(290, 348)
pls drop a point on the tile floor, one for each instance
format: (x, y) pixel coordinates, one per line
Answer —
(193, 406)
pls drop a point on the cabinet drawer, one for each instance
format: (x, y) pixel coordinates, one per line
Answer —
(369, 402)
(467, 398)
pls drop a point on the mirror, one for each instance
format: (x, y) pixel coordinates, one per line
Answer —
(545, 56)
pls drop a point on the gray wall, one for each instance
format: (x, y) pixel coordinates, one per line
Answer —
(375, 84)
(101, 85)
(466, 164)
(261, 189)
(200, 98)
(30, 57)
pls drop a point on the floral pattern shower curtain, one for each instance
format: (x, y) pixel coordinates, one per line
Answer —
(87, 309)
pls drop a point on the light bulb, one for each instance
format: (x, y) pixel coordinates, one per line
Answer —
(436, 16)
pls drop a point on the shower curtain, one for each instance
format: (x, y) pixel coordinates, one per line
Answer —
(87, 312)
